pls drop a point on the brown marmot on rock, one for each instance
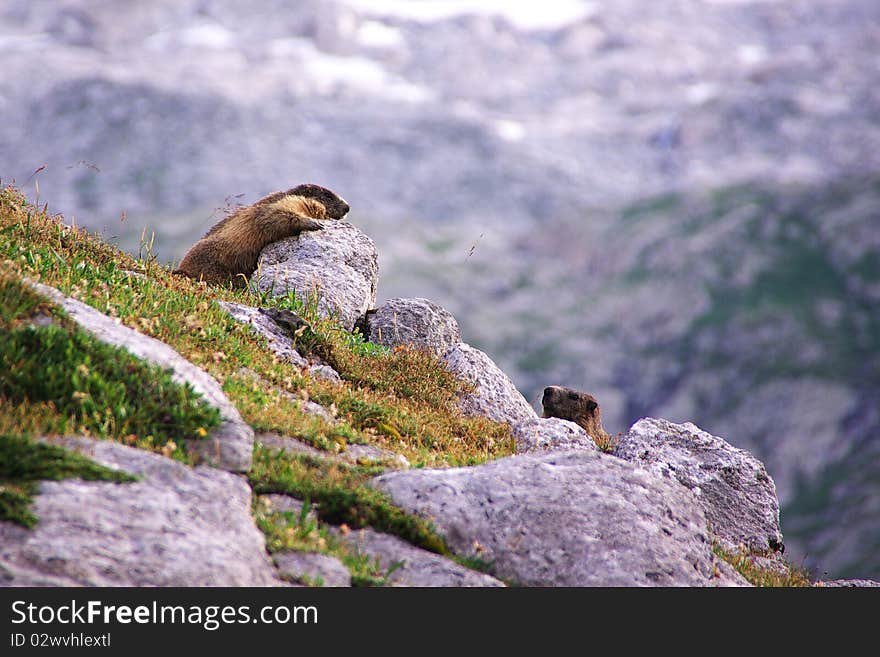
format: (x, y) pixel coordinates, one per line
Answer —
(230, 250)
(578, 407)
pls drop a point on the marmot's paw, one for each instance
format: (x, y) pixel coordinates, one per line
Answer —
(311, 224)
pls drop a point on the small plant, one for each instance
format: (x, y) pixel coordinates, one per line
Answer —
(606, 442)
(744, 562)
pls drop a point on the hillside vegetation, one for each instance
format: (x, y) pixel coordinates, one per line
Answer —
(60, 381)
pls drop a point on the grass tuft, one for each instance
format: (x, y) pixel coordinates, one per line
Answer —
(70, 382)
(340, 495)
(287, 531)
(787, 575)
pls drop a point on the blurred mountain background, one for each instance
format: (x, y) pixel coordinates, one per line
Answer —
(674, 206)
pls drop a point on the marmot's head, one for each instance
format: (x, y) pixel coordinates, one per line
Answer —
(335, 206)
(569, 404)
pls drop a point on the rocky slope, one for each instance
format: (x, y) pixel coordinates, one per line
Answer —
(576, 185)
(674, 506)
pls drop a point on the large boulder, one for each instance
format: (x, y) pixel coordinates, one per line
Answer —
(418, 322)
(494, 394)
(339, 262)
(408, 565)
(228, 446)
(550, 434)
(575, 518)
(175, 526)
(730, 485)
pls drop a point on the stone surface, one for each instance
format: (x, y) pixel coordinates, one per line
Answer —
(549, 434)
(228, 446)
(730, 485)
(175, 526)
(339, 261)
(419, 322)
(575, 518)
(851, 583)
(353, 453)
(495, 395)
(418, 567)
(312, 568)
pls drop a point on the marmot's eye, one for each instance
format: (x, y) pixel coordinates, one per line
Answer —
(573, 395)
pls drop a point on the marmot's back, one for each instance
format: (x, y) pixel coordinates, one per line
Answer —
(231, 249)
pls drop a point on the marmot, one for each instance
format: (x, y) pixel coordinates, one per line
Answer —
(230, 250)
(579, 407)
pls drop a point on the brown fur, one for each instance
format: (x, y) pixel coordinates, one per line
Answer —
(579, 407)
(231, 249)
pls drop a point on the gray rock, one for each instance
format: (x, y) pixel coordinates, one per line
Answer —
(494, 396)
(417, 567)
(417, 321)
(230, 445)
(176, 526)
(353, 453)
(576, 518)
(312, 568)
(549, 434)
(339, 261)
(851, 583)
(278, 340)
(730, 485)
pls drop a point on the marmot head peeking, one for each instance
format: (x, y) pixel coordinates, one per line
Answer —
(578, 407)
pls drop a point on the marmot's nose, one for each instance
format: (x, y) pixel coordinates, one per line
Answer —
(345, 208)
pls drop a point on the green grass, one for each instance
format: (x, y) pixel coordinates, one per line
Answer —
(340, 495)
(24, 462)
(287, 531)
(57, 379)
